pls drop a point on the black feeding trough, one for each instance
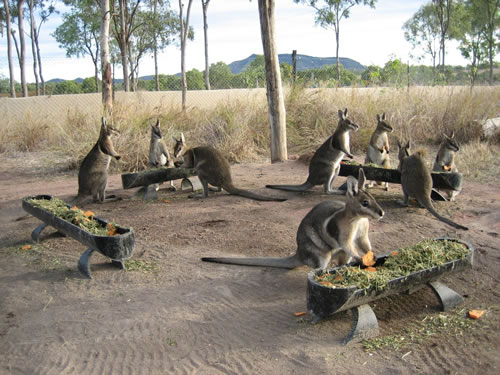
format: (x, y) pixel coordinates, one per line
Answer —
(117, 247)
(323, 301)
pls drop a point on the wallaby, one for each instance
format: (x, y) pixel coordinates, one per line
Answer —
(93, 173)
(212, 168)
(332, 229)
(416, 182)
(325, 164)
(378, 149)
(158, 152)
(445, 160)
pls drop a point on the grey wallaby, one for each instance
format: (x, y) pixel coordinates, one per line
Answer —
(158, 152)
(416, 181)
(93, 173)
(378, 149)
(332, 229)
(325, 164)
(212, 168)
(445, 160)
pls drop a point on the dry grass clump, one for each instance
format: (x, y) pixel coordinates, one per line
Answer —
(238, 124)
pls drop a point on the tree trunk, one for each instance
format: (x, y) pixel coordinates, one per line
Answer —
(337, 41)
(22, 59)
(39, 57)
(184, 34)
(107, 91)
(33, 49)
(276, 103)
(204, 4)
(9, 50)
(155, 48)
(123, 46)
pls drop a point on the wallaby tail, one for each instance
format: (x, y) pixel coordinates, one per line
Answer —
(304, 187)
(287, 262)
(430, 207)
(248, 194)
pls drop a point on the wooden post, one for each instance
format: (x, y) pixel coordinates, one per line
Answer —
(294, 66)
(107, 91)
(276, 102)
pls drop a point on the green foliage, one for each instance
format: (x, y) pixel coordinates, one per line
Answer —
(195, 80)
(88, 85)
(67, 87)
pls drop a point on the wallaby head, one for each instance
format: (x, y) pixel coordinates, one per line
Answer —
(382, 124)
(105, 142)
(156, 130)
(345, 123)
(404, 151)
(180, 145)
(359, 201)
(450, 142)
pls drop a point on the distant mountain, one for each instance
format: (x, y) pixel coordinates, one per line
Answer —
(304, 62)
(57, 80)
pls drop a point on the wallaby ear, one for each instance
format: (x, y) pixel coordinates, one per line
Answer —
(408, 145)
(157, 123)
(378, 118)
(182, 138)
(341, 114)
(400, 146)
(345, 113)
(352, 186)
(383, 116)
(452, 135)
(174, 139)
(361, 178)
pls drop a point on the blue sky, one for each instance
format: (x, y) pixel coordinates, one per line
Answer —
(369, 36)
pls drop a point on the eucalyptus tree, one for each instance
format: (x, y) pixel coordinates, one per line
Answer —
(422, 31)
(6, 15)
(329, 13)
(107, 82)
(204, 5)
(79, 32)
(184, 32)
(22, 53)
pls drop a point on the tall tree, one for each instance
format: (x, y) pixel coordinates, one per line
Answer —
(31, 4)
(184, 32)
(204, 4)
(329, 13)
(443, 9)
(275, 99)
(492, 26)
(107, 91)
(422, 31)
(22, 55)
(9, 49)
(79, 32)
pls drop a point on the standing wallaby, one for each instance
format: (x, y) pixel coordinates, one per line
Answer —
(212, 168)
(93, 173)
(445, 160)
(416, 182)
(378, 150)
(325, 164)
(158, 152)
(332, 229)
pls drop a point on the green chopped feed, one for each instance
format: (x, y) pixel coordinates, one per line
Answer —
(371, 165)
(424, 255)
(74, 215)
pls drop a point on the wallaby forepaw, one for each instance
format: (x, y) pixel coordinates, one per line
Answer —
(402, 203)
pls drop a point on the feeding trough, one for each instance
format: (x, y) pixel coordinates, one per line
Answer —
(324, 301)
(117, 247)
(440, 180)
(150, 177)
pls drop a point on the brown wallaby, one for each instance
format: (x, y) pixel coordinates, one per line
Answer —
(416, 182)
(325, 164)
(332, 229)
(93, 173)
(378, 149)
(158, 152)
(212, 168)
(445, 160)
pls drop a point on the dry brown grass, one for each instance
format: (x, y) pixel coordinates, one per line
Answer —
(236, 121)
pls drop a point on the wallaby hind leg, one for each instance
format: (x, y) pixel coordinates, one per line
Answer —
(328, 185)
(404, 202)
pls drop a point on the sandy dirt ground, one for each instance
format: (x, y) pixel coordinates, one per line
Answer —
(178, 315)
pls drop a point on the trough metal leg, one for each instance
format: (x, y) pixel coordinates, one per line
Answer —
(447, 297)
(118, 263)
(83, 262)
(151, 192)
(35, 235)
(364, 324)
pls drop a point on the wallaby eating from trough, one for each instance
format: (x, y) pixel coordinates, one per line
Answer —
(158, 152)
(332, 229)
(416, 181)
(212, 168)
(325, 164)
(378, 149)
(445, 160)
(93, 173)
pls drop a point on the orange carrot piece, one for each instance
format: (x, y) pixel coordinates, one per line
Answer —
(476, 314)
(371, 269)
(368, 259)
(302, 313)
(88, 213)
(26, 247)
